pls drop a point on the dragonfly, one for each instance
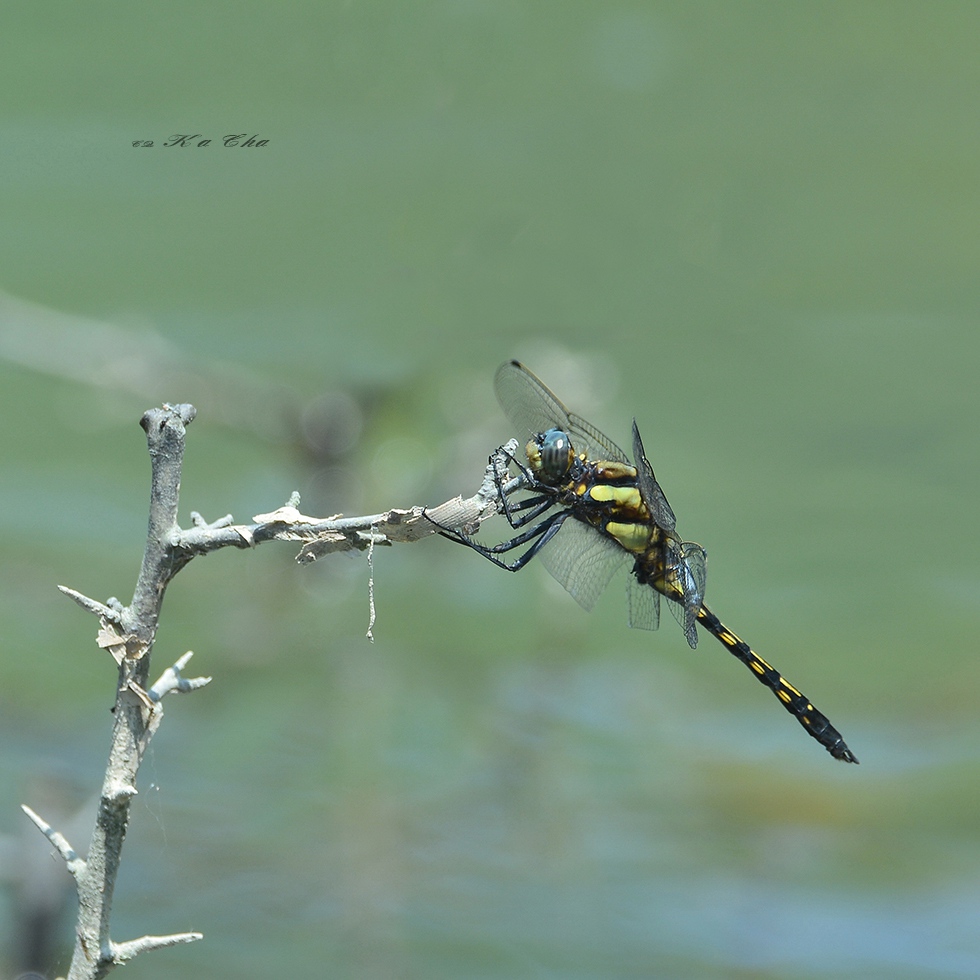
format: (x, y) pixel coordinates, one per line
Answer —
(585, 510)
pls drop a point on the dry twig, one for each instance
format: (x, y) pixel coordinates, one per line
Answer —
(128, 632)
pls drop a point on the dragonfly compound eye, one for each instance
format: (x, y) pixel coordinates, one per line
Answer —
(550, 454)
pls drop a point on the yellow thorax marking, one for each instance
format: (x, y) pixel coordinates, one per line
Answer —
(609, 469)
(620, 496)
(633, 537)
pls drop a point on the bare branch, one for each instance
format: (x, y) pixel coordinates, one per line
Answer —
(121, 952)
(171, 680)
(91, 605)
(128, 633)
(326, 535)
(74, 863)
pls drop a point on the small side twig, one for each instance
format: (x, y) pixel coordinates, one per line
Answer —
(73, 862)
(91, 605)
(172, 680)
(122, 952)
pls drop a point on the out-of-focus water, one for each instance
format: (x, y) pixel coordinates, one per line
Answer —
(752, 227)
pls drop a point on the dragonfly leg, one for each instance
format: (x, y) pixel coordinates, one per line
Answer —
(505, 454)
(539, 535)
(535, 507)
(536, 504)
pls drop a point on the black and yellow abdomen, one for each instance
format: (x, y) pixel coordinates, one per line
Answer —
(794, 701)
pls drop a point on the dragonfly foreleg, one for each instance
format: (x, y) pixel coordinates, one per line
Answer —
(535, 507)
(539, 535)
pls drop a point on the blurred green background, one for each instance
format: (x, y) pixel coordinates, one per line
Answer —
(754, 226)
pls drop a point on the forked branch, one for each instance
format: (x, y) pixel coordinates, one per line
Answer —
(127, 632)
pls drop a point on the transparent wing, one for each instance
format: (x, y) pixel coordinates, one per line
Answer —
(650, 490)
(582, 560)
(689, 563)
(643, 603)
(595, 444)
(533, 407)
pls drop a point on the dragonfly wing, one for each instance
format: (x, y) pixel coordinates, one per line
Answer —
(689, 562)
(650, 490)
(643, 602)
(533, 407)
(582, 561)
(594, 444)
(527, 401)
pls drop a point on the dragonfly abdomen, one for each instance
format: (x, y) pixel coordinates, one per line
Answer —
(795, 702)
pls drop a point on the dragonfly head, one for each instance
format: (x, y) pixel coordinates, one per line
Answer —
(550, 456)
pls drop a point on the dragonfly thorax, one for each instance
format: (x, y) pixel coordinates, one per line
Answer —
(550, 456)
